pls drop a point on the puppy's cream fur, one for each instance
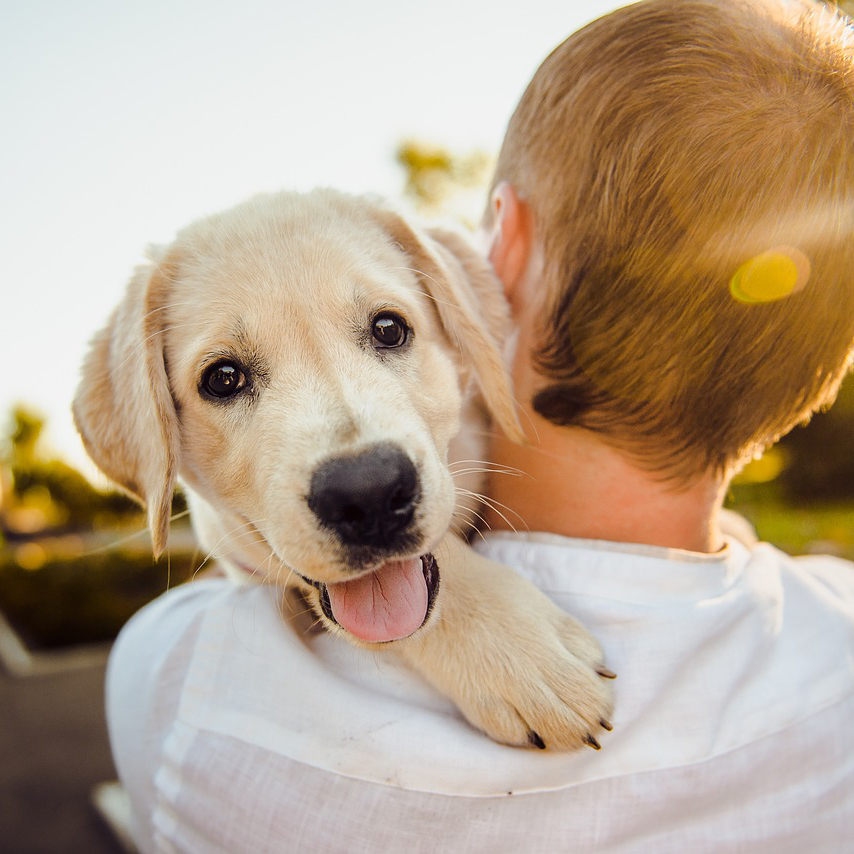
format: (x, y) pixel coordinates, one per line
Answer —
(287, 284)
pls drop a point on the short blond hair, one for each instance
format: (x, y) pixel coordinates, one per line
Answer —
(661, 149)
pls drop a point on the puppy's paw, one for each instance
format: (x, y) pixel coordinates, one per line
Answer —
(517, 666)
(549, 691)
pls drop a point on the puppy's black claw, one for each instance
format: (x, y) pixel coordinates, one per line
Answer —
(535, 741)
(605, 673)
(606, 724)
(588, 739)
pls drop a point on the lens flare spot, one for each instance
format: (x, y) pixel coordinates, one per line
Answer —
(30, 556)
(771, 276)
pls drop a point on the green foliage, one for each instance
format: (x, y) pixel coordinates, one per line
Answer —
(813, 464)
(25, 434)
(83, 599)
(440, 182)
(800, 494)
(44, 495)
(816, 529)
(67, 574)
(822, 454)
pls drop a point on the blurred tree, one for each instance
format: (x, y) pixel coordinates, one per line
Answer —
(42, 495)
(821, 454)
(814, 464)
(67, 575)
(441, 183)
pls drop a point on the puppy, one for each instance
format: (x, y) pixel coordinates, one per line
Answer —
(303, 363)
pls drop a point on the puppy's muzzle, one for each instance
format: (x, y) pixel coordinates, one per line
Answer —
(368, 499)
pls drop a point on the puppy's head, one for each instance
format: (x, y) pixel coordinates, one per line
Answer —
(299, 362)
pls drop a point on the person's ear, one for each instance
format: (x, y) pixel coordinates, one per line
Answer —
(509, 239)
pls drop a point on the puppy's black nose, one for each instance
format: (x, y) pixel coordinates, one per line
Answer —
(368, 499)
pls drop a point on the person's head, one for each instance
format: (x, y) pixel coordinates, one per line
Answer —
(684, 172)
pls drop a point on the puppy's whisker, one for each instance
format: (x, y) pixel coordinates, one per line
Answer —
(193, 559)
(258, 569)
(135, 351)
(202, 565)
(128, 538)
(317, 622)
(245, 535)
(469, 530)
(485, 466)
(496, 507)
(228, 534)
(460, 508)
(291, 573)
(471, 512)
(478, 516)
(295, 615)
(529, 420)
(274, 571)
(478, 462)
(165, 307)
(429, 278)
(462, 472)
(280, 565)
(486, 499)
(221, 549)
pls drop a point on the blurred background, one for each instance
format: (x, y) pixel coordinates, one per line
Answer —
(125, 121)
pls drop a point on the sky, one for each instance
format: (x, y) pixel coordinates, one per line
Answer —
(123, 121)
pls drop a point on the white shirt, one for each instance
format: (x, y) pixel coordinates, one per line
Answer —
(233, 731)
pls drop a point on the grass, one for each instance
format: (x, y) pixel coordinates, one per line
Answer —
(813, 529)
(817, 530)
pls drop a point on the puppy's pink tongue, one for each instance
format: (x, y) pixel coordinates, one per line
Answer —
(385, 605)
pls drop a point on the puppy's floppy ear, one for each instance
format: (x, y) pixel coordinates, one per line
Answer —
(470, 303)
(123, 407)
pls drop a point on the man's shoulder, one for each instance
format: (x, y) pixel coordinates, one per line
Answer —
(171, 618)
(825, 579)
(825, 576)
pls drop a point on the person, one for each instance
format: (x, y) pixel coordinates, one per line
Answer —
(672, 217)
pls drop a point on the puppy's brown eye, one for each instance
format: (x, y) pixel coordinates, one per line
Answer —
(224, 379)
(389, 330)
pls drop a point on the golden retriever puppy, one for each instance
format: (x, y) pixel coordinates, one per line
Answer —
(304, 363)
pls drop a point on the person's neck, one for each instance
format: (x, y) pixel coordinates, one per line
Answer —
(572, 483)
